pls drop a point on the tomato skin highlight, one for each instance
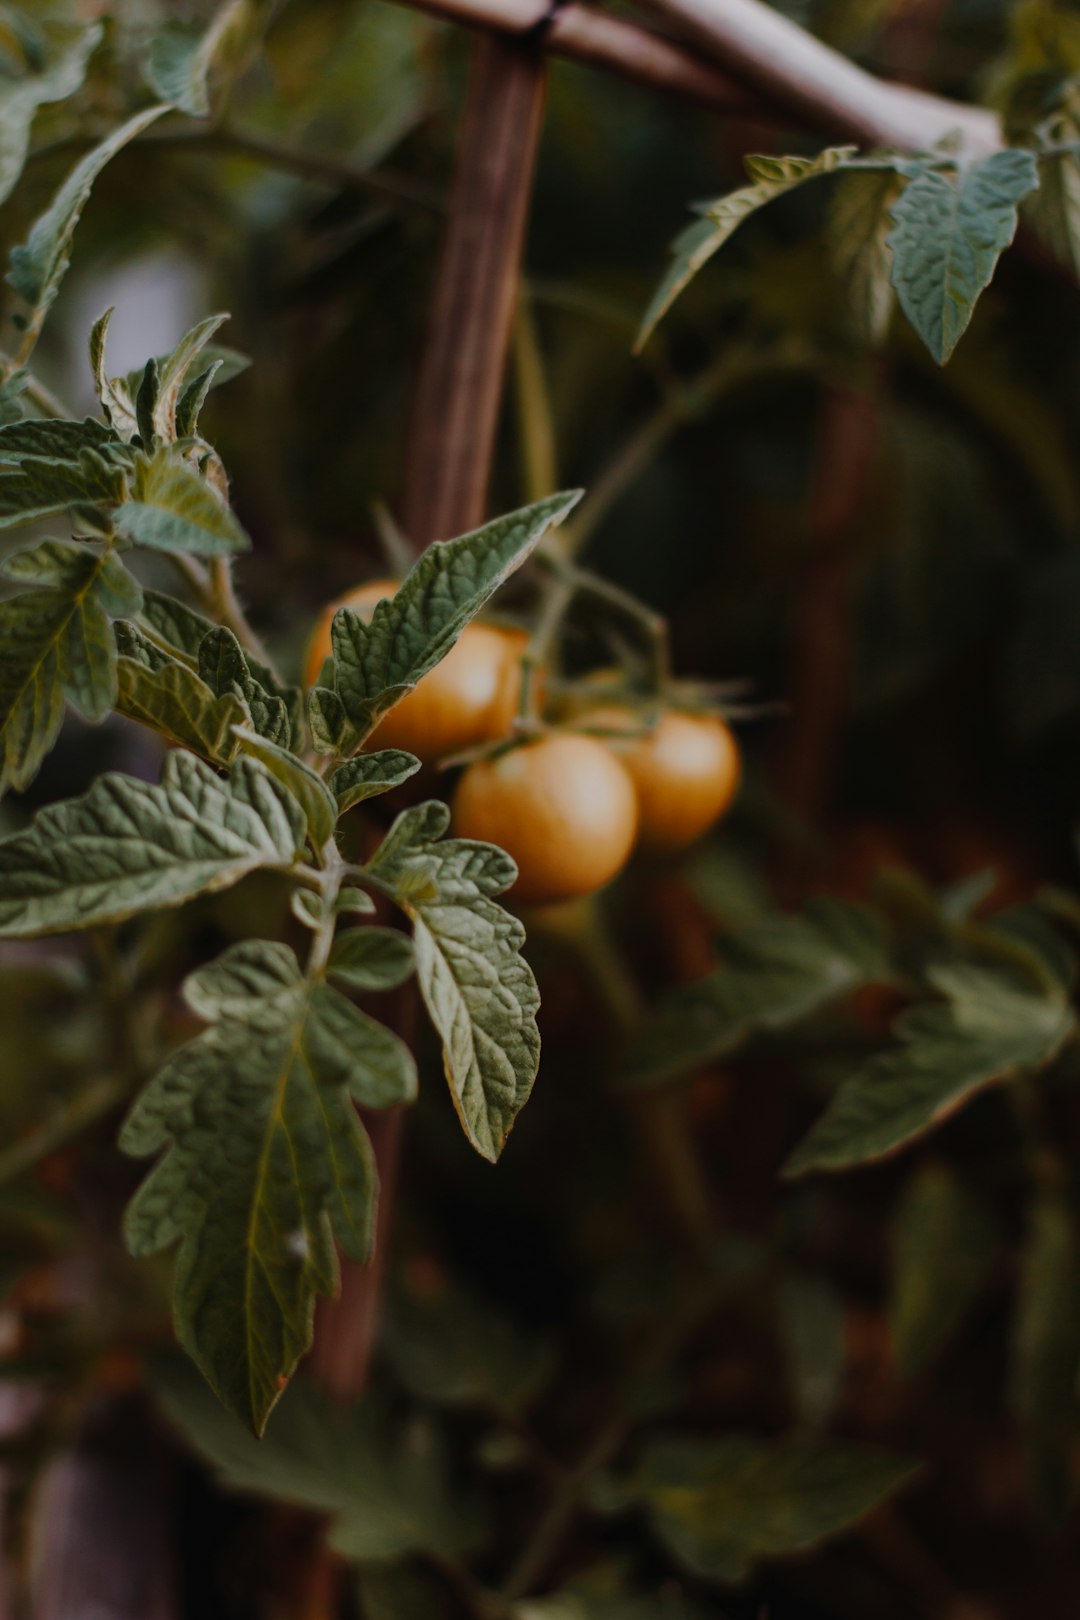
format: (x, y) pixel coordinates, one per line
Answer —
(470, 698)
(686, 771)
(563, 807)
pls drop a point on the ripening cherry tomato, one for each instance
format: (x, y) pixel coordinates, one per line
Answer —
(563, 807)
(686, 771)
(471, 697)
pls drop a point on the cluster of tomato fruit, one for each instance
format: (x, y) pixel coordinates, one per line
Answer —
(569, 805)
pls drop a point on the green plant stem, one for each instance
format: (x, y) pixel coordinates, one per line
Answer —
(89, 1104)
(685, 402)
(228, 611)
(569, 1496)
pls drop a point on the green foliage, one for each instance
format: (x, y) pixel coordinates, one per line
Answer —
(52, 65)
(775, 973)
(721, 1506)
(265, 1163)
(366, 775)
(184, 57)
(56, 643)
(770, 177)
(810, 1321)
(376, 664)
(173, 699)
(950, 227)
(1047, 1351)
(478, 988)
(986, 1028)
(128, 846)
(944, 1242)
(39, 265)
(384, 1486)
(454, 1350)
(175, 510)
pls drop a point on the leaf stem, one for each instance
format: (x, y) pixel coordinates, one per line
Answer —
(320, 167)
(228, 611)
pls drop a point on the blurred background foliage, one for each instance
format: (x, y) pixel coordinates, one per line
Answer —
(889, 549)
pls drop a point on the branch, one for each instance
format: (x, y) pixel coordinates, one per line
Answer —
(744, 58)
(766, 50)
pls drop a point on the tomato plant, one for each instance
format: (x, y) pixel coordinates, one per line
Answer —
(544, 1089)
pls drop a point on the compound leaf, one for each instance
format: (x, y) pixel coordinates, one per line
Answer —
(265, 1162)
(386, 1487)
(987, 1028)
(478, 988)
(129, 846)
(774, 973)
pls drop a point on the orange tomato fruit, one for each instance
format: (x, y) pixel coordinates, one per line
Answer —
(686, 771)
(563, 807)
(471, 697)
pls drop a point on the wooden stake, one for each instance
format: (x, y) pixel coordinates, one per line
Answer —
(451, 440)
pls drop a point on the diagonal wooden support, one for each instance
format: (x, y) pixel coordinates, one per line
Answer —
(740, 56)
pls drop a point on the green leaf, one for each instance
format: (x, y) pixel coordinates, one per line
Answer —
(372, 958)
(265, 1162)
(59, 68)
(56, 643)
(308, 789)
(173, 370)
(55, 439)
(176, 510)
(770, 177)
(949, 230)
(452, 1349)
(115, 397)
(366, 775)
(1046, 1353)
(774, 973)
(810, 1319)
(184, 56)
(189, 405)
(478, 988)
(225, 668)
(40, 485)
(330, 729)
(722, 1506)
(129, 846)
(145, 399)
(171, 698)
(858, 228)
(385, 1486)
(377, 663)
(944, 1243)
(988, 1028)
(175, 624)
(38, 266)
